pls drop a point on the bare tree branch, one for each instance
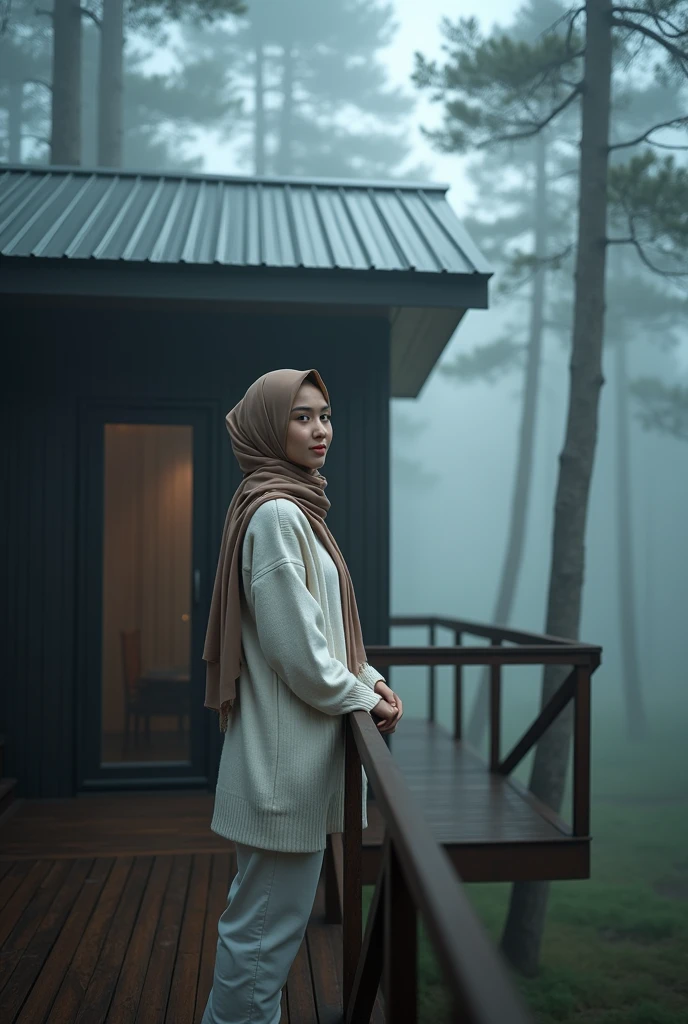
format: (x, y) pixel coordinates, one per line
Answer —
(660, 20)
(633, 26)
(632, 240)
(645, 137)
(572, 18)
(537, 127)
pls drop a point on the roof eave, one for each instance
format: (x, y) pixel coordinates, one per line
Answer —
(424, 309)
(213, 282)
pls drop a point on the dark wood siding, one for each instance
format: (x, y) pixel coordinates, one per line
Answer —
(57, 359)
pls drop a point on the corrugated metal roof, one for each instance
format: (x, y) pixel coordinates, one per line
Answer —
(58, 213)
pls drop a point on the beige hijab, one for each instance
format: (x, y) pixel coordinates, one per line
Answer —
(258, 427)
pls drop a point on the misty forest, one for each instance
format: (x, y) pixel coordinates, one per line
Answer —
(540, 479)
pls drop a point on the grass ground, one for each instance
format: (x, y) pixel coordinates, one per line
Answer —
(615, 948)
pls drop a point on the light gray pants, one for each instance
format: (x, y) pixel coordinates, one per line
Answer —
(259, 934)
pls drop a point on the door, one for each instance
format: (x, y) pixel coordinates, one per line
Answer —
(143, 607)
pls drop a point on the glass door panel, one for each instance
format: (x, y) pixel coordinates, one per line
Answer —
(146, 593)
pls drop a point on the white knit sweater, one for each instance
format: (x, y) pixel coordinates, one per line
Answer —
(280, 783)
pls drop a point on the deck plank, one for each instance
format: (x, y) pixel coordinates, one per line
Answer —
(52, 973)
(31, 944)
(110, 902)
(461, 800)
(18, 870)
(127, 993)
(104, 824)
(187, 962)
(161, 966)
(23, 896)
(133, 939)
(100, 989)
(5, 868)
(84, 962)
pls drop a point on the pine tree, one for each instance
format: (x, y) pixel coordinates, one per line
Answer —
(25, 89)
(316, 97)
(653, 196)
(115, 19)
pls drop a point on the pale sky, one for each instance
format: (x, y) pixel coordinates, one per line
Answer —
(418, 30)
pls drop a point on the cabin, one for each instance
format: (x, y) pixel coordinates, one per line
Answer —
(136, 308)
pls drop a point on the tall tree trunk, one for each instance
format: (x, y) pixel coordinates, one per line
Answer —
(65, 147)
(110, 89)
(14, 120)
(259, 110)
(635, 710)
(524, 468)
(528, 904)
(283, 164)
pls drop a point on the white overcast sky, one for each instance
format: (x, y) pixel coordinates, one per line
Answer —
(418, 30)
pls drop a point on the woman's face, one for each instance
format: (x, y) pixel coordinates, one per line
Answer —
(309, 426)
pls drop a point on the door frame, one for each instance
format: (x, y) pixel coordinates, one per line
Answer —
(93, 415)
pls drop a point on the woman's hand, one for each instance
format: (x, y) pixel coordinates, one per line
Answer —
(388, 710)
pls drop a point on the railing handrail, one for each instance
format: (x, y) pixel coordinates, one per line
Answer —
(491, 632)
(524, 654)
(473, 969)
(415, 870)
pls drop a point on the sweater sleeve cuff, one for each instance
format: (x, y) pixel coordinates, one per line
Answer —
(370, 676)
(361, 698)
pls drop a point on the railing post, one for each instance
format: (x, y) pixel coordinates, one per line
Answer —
(458, 690)
(400, 942)
(581, 752)
(352, 923)
(495, 714)
(431, 692)
(333, 913)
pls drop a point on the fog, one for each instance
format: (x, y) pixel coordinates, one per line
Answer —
(336, 96)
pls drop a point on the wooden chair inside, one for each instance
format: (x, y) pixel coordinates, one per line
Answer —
(153, 693)
(131, 673)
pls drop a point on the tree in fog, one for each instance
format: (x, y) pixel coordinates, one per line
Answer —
(65, 120)
(409, 472)
(637, 309)
(25, 90)
(317, 97)
(162, 111)
(115, 19)
(662, 407)
(578, 64)
(531, 204)
(522, 177)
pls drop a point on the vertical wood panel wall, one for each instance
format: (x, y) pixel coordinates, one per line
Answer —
(59, 358)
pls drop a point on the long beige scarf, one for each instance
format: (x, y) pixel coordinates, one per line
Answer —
(258, 427)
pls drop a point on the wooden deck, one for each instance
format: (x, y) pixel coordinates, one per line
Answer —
(492, 829)
(132, 938)
(109, 902)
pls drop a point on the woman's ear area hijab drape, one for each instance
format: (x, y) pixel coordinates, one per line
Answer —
(258, 427)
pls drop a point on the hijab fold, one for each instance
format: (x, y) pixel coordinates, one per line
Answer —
(258, 427)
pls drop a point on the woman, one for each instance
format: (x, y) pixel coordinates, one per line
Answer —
(285, 663)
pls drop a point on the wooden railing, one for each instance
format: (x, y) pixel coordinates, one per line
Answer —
(416, 877)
